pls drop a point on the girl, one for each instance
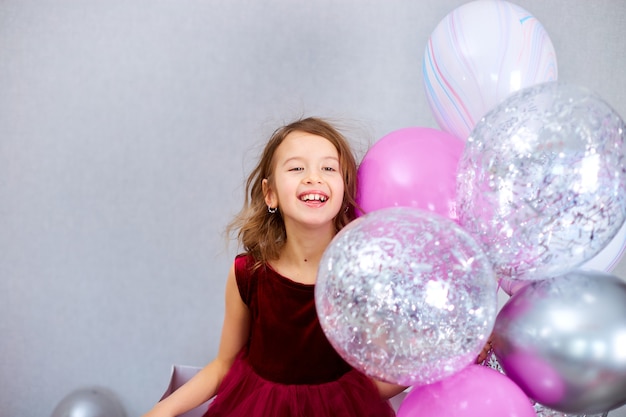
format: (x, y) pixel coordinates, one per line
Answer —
(273, 358)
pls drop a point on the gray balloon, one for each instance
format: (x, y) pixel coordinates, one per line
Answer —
(89, 402)
(540, 410)
(563, 341)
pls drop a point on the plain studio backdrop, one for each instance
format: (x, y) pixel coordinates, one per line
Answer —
(126, 130)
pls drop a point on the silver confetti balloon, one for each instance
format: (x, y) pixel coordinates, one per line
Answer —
(542, 180)
(406, 296)
(543, 411)
(563, 341)
(89, 402)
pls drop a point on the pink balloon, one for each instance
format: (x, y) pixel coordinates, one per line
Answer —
(411, 167)
(476, 391)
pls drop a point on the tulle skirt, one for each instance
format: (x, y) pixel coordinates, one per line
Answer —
(243, 393)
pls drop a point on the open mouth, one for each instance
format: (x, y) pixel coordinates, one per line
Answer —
(314, 198)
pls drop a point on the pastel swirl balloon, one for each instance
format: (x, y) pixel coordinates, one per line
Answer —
(479, 54)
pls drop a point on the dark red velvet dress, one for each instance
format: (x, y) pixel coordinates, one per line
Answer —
(288, 368)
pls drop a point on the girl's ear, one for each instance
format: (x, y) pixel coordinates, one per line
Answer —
(270, 199)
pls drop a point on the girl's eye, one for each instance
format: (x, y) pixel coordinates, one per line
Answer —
(296, 169)
(328, 169)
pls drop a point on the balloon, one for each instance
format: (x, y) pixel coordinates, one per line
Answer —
(474, 391)
(511, 286)
(479, 54)
(406, 295)
(540, 410)
(543, 411)
(542, 181)
(89, 402)
(411, 167)
(609, 257)
(562, 341)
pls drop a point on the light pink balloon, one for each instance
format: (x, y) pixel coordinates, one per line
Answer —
(411, 167)
(474, 391)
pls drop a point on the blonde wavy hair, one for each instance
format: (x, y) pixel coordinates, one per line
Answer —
(262, 234)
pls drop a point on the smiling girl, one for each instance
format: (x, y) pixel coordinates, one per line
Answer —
(274, 359)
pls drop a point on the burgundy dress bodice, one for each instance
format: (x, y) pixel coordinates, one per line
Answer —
(287, 343)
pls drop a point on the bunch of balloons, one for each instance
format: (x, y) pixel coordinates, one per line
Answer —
(523, 188)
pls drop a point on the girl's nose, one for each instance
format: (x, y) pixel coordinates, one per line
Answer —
(313, 178)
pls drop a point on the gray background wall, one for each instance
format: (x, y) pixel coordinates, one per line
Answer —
(126, 129)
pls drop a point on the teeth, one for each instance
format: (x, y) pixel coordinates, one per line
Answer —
(309, 197)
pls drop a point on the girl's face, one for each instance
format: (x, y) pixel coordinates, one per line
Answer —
(308, 183)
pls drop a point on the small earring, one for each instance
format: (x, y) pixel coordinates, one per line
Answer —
(271, 210)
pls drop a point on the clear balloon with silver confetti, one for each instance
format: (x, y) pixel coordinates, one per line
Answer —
(542, 180)
(406, 296)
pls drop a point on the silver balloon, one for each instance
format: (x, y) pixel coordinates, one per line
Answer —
(542, 180)
(406, 296)
(540, 410)
(89, 402)
(563, 341)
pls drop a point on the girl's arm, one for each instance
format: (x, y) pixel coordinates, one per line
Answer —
(387, 389)
(204, 384)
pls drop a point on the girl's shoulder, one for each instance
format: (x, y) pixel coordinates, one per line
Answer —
(244, 275)
(243, 261)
